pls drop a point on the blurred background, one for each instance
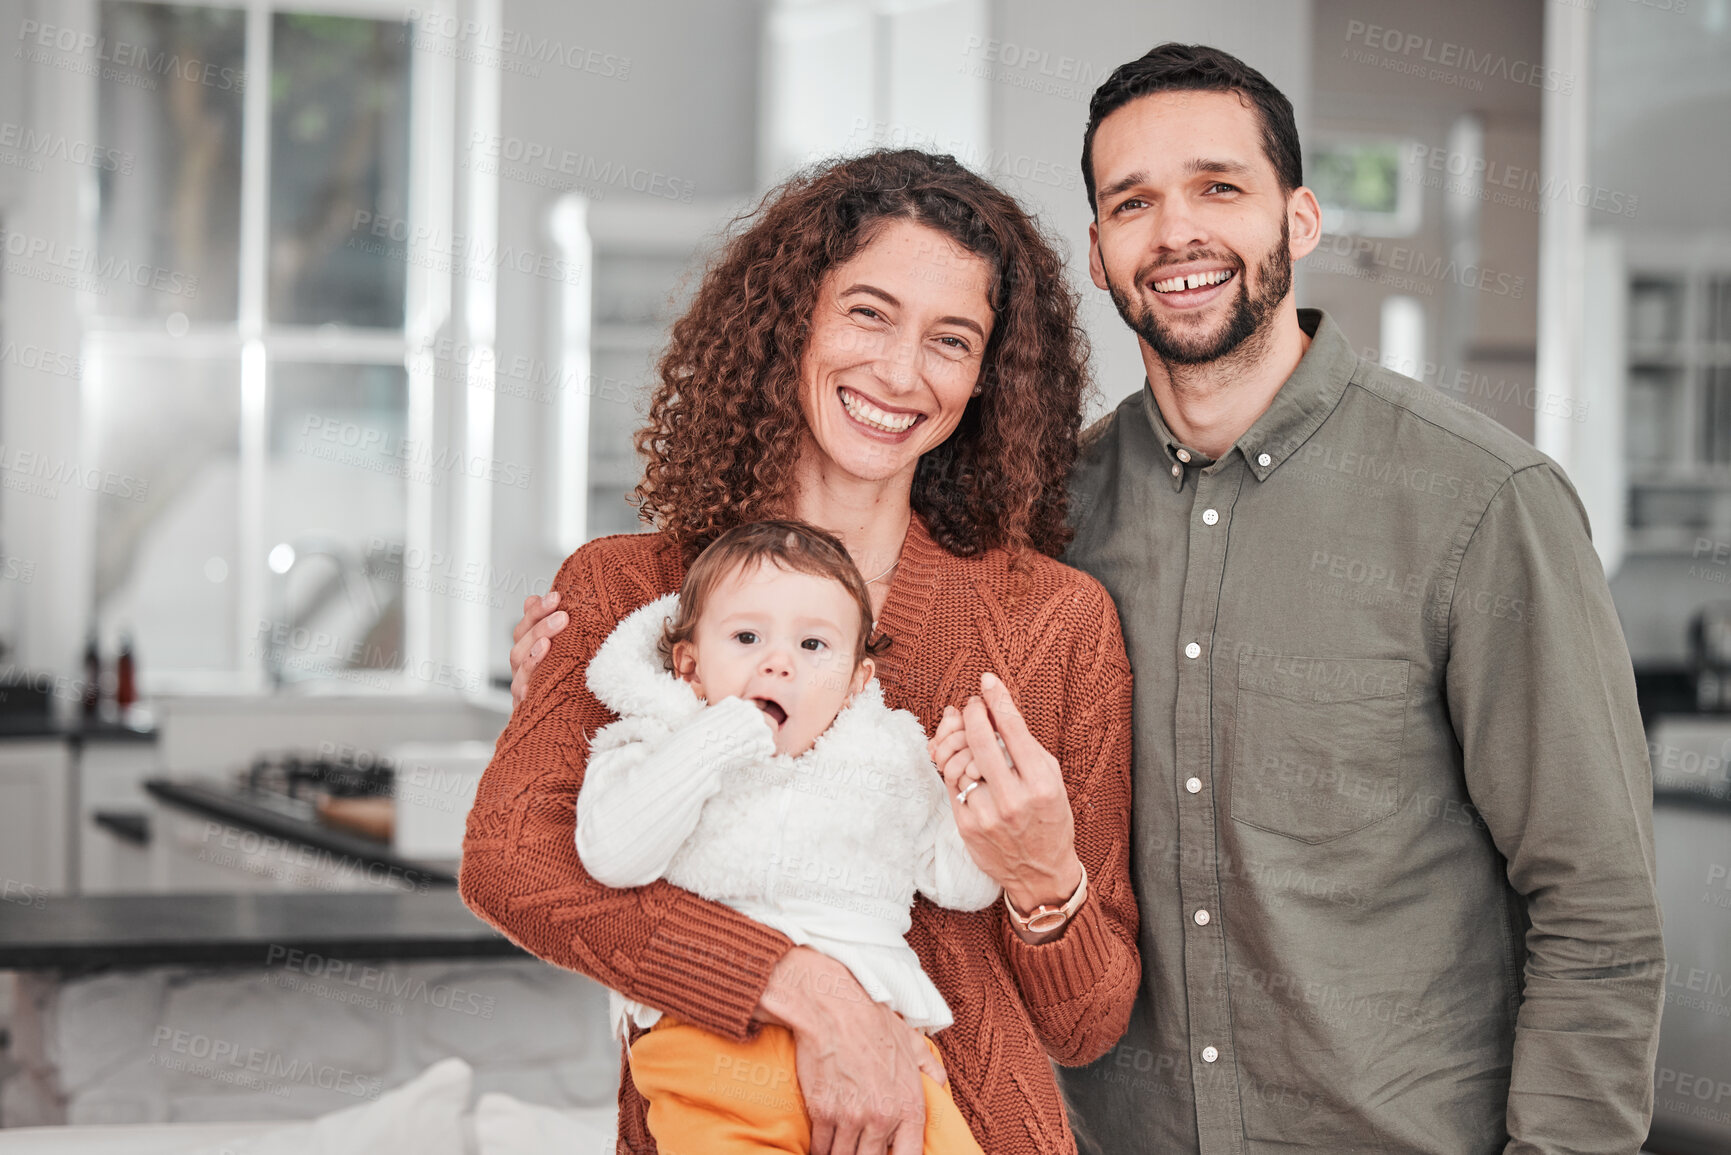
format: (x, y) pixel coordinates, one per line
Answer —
(324, 328)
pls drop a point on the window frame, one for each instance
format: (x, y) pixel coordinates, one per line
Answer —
(259, 345)
(1407, 217)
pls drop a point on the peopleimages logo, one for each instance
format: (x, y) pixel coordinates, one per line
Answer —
(327, 977)
(1364, 256)
(988, 162)
(429, 247)
(29, 142)
(384, 452)
(31, 356)
(514, 49)
(138, 57)
(44, 258)
(1409, 52)
(256, 1068)
(42, 475)
(533, 162)
(1461, 174)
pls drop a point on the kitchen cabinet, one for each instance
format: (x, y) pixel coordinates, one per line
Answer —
(111, 777)
(35, 828)
(1691, 757)
(1678, 404)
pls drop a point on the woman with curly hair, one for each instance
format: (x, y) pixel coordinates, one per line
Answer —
(886, 349)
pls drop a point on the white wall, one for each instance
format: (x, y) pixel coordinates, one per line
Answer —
(45, 617)
(685, 112)
(1661, 107)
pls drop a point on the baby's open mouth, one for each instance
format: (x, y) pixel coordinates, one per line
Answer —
(773, 708)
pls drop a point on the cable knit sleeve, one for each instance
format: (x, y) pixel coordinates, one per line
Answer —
(656, 944)
(1079, 987)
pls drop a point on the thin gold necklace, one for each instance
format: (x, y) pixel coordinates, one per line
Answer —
(893, 564)
(886, 573)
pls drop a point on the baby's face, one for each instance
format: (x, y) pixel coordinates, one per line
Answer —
(783, 641)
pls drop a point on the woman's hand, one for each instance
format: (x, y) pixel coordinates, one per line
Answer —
(530, 639)
(1016, 821)
(858, 1062)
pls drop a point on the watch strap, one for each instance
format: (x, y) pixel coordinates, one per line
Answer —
(1046, 918)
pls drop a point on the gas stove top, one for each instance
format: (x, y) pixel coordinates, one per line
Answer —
(295, 781)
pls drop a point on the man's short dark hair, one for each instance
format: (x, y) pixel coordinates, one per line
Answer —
(1199, 68)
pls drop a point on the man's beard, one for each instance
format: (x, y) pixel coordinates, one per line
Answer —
(1249, 316)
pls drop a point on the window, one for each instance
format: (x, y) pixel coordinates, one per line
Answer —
(1365, 188)
(252, 365)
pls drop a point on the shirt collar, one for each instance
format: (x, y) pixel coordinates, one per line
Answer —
(1297, 411)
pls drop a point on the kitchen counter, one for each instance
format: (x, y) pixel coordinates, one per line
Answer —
(236, 807)
(95, 730)
(76, 933)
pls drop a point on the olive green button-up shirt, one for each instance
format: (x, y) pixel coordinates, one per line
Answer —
(1392, 814)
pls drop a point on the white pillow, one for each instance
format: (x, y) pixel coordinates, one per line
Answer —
(419, 1118)
(508, 1126)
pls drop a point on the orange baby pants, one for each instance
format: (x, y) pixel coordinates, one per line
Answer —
(709, 1095)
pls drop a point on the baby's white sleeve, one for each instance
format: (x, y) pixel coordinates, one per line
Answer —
(945, 872)
(645, 787)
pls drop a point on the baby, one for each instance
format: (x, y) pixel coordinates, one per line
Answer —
(755, 763)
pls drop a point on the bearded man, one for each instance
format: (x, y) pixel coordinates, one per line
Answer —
(1392, 806)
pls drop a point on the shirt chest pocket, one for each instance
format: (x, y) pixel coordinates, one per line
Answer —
(1317, 744)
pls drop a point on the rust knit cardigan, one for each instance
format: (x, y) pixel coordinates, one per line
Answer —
(1049, 631)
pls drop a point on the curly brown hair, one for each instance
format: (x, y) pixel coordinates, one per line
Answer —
(725, 423)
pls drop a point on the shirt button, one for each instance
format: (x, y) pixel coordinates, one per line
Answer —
(1264, 460)
(1183, 455)
(1210, 516)
(1194, 785)
(1193, 650)
(1177, 470)
(1201, 918)
(1209, 1054)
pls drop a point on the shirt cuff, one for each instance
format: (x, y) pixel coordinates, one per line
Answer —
(1065, 968)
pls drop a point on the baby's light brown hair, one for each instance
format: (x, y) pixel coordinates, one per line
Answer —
(795, 546)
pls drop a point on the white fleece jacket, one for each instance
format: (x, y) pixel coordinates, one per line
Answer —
(827, 847)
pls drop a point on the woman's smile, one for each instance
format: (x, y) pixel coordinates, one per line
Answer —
(878, 418)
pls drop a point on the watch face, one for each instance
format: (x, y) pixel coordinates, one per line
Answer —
(1046, 919)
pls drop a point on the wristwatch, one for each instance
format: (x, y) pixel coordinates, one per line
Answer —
(1049, 918)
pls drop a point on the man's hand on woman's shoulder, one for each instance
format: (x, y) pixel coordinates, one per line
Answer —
(531, 639)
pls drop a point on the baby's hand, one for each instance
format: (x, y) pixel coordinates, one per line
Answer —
(950, 744)
(941, 747)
